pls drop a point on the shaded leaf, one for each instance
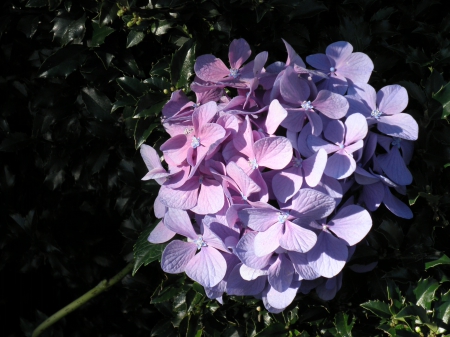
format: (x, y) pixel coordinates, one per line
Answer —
(444, 259)
(36, 3)
(132, 86)
(380, 309)
(74, 31)
(99, 34)
(97, 103)
(274, 330)
(392, 232)
(108, 12)
(14, 141)
(134, 37)
(182, 65)
(144, 128)
(443, 97)
(343, 328)
(64, 62)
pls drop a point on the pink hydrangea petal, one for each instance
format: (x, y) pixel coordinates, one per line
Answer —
(357, 67)
(203, 114)
(351, 224)
(160, 233)
(267, 242)
(280, 300)
(335, 132)
(394, 166)
(275, 116)
(273, 152)
(301, 266)
(339, 51)
(210, 69)
(362, 98)
(286, 183)
(238, 286)
(177, 255)
(400, 125)
(328, 256)
(293, 89)
(297, 238)
(392, 99)
(309, 204)
(175, 149)
(184, 197)
(243, 142)
(356, 128)
(246, 185)
(340, 165)
(250, 274)
(260, 61)
(280, 273)
(294, 120)
(317, 143)
(320, 61)
(239, 52)
(293, 57)
(314, 166)
(332, 105)
(259, 219)
(150, 157)
(178, 221)
(245, 251)
(210, 198)
(208, 267)
(315, 121)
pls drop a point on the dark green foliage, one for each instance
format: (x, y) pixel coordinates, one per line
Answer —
(83, 84)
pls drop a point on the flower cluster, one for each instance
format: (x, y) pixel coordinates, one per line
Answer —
(279, 177)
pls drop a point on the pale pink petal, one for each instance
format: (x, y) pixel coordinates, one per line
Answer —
(357, 67)
(301, 266)
(356, 128)
(273, 152)
(332, 105)
(267, 242)
(401, 125)
(178, 221)
(259, 219)
(309, 205)
(297, 238)
(274, 117)
(208, 267)
(184, 197)
(160, 233)
(340, 165)
(210, 198)
(250, 274)
(287, 182)
(339, 51)
(177, 255)
(210, 69)
(280, 273)
(238, 53)
(203, 114)
(280, 300)
(314, 166)
(317, 143)
(351, 224)
(392, 99)
(175, 149)
(245, 251)
(246, 185)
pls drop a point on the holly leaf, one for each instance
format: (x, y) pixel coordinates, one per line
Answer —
(343, 328)
(14, 141)
(444, 259)
(443, 97)
(99, 34)
(182, 65)
(132, 86)
(425, 291)
(134, 37)
(97, 103)
(144, 128)
(379, 308)
(64, 62)
(146, 252)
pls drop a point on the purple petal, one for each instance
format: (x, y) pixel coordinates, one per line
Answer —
(184, 197)
(315, 121)
(239, 52)
(400, 125)
(293, 57)
(260, 61)
(281, 273)
(246, 185)
(160, 234)
(275, 116)
(314, 166)
(210, 198)
(150, 157)
(297, 238)
(335, 83)
(267, 242)
(309, 204)
(250, 274)
(294, 120)
(208, 267)
(340, 165)
(203, 114)
(245, 251)
(320, 61)
(339, 51)
(362, 98)
(301, 266)
(357, 67)
(394, 166)
(351, 223)
(317, 143)
(286, 183)
(273, 152)
(356, 128)
(332, 105)
(175, 149)
(328, 256)
(178, 221)
(177, 255)
(373, 196)
(335, 132)
(259, 219)
(210, 69)
(293, 89)
(280, 300)
(236, 285)
(397, 207)
(392, 99)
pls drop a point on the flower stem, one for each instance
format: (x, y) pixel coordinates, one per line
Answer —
(101, 287)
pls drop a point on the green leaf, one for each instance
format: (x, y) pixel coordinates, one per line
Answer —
(74, 31)
(36, 3)
(97, 158)
(274, 330)
(28, 25)
(134, 37)
(123, 102)
(442, 313)
(380, 309)
(108, 12)
(443, 97)
(132, 86)
(392, 232)
(182, 65)
(163, 328)
(425, 292)
(154, 110)
(97, 103)
(444, 259)
(158, 83)
(343, 328)
(64, 62)
(161, 27)
(165, 295)
(53, 4)
(144, 128)
(146, 252)
(307, 9)
(383, 13)
(99, 34)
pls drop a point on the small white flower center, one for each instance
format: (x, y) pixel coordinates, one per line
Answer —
(332, 69)
(253, 164)
(307, 105)
(200, 243)
(376, 113)
(195, 143)
(282, 216)
(195, 105)
(341, 146)
(200, 180)
(234, 72)
(243, 197)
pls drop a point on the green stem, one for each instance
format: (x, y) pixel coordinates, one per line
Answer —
(101, 287)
